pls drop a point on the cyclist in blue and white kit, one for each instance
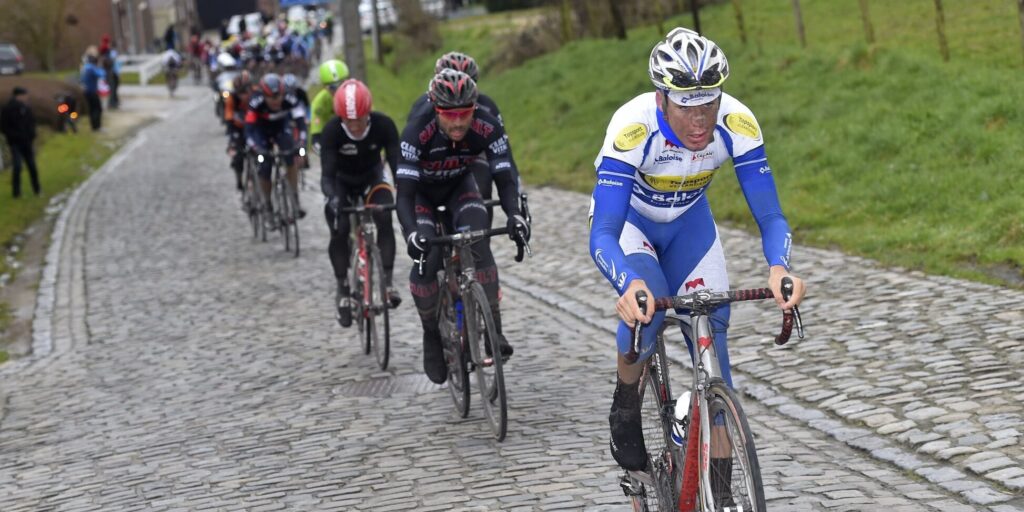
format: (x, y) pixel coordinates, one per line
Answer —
(652, 227)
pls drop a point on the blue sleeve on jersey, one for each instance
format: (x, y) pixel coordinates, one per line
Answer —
(611, 203)
(755, 177)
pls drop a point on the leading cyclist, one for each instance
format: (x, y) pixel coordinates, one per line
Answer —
(652, 227)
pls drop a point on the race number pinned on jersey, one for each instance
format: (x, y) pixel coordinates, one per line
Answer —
(630, 137)
(742, 124)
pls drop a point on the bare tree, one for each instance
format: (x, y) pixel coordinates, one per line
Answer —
(375, 36)
(799, 23)
(618, 22)
(37, 27)
(1020, 8)
(355, 56)
(869, 30)
(695, 7)
(940, 27)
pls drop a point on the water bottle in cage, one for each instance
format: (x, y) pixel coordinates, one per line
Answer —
(682, 407)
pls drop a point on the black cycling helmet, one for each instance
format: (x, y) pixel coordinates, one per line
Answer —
(452, 89)
(272, 85)
(459, 62)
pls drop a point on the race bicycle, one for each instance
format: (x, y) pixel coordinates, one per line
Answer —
(366, 280)
(701, 454)
(468, 335)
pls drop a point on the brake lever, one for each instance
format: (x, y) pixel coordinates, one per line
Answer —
(787, 292)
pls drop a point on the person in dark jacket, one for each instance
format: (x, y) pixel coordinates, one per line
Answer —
(91, 75)
(19, 126)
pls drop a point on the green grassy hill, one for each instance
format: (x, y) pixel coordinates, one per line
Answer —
(883, 151)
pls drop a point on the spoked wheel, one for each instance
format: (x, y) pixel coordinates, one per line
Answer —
(734, 471)
(283, 208)
(659, 490)
(251, 200)
(293, 216)
(455, 357)
(489, 377)
(378, 329)
(355, 286)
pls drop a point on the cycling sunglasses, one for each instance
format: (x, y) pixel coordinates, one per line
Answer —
(680, 81)
(455, 114)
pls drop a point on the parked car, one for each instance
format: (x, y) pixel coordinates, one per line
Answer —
(11, 62)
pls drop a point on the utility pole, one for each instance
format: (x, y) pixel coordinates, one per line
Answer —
(355, 56)
(376, 33)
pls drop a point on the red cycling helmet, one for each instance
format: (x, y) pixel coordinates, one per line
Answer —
(352, 100)
(272, 85)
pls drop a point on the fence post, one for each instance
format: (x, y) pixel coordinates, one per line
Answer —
(869, 31)
(739, 20)
(940, 26)
(800, 23)
(1020, 8)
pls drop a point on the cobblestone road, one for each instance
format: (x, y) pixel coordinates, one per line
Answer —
(182, 366)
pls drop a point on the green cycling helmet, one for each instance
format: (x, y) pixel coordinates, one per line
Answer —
(333, 71)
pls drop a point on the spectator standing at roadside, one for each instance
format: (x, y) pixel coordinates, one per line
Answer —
(108, 61)
(19, 126)
(91, 75)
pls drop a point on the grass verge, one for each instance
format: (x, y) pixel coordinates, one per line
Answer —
(882, 150)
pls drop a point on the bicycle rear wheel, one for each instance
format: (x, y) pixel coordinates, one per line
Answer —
(455, 357)
(489, 376)
(737, 483)
(665, 457)
(378, 329)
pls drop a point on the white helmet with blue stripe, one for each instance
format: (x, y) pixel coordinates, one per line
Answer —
(687, 61)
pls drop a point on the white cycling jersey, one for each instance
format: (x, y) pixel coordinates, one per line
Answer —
(669, 178)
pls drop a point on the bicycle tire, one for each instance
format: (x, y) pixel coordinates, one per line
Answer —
(251, 200)
(722, 399)
(377, 309)
(489, 374)
(453, 343)
(282, 208)
(293, 197)
(664, 456)
(355, 284)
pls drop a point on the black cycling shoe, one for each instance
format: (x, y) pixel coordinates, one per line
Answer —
(433, 357)
(302, 213)
(504, 347)
(343, 303)
(627, 442)
(394, 299)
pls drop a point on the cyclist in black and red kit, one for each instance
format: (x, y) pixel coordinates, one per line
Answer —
(350, 148)
(437, 151)
(271, 117)
(422, 107)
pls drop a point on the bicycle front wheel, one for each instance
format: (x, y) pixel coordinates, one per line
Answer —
(293, 215)
(455, 357)
(664, 455)
(378, 329)
(489, 377)
(734, 473)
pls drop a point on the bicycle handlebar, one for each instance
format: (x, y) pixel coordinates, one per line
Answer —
(706, 300)
(469, 237)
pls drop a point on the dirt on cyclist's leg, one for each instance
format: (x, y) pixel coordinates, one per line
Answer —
(627, 439)
(721, 462)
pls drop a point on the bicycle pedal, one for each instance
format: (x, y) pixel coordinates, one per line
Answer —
(628, 486)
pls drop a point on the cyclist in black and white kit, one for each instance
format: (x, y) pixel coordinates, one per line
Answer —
(437, 151)
(350, 150)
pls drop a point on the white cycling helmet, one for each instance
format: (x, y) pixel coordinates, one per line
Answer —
(225, 60)
(689, 67)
